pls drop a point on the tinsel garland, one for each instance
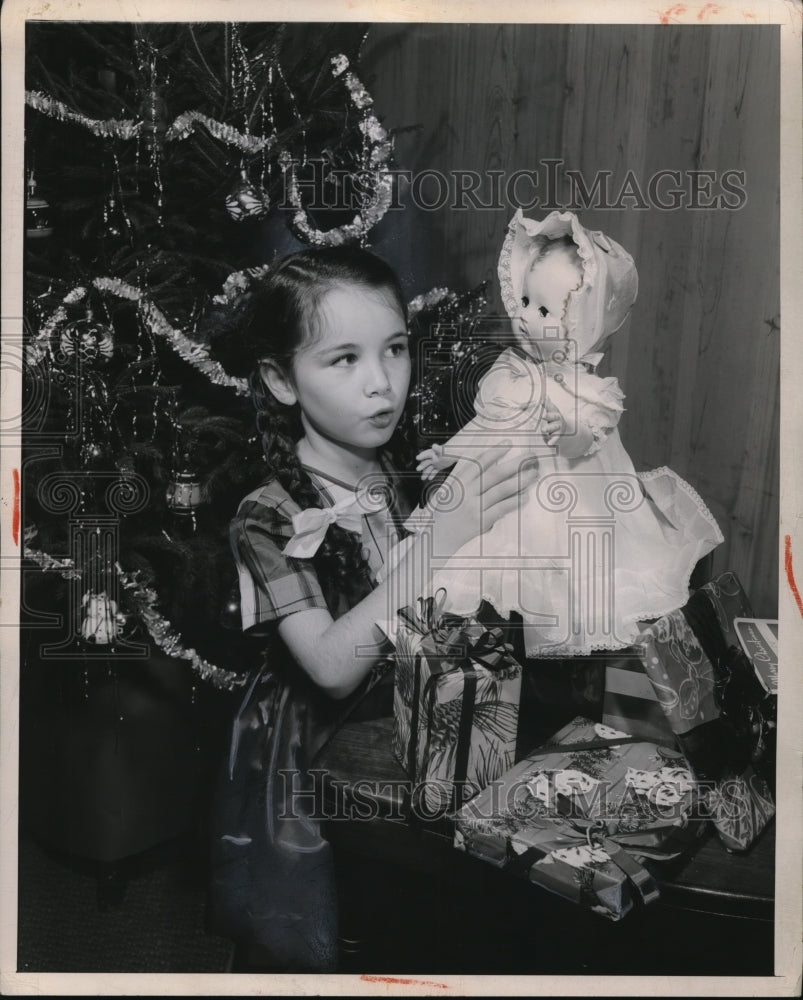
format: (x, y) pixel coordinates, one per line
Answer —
(381, 198)
(111, 128)
(182, 127)
(428, 300)
(188, 121)
(143, 600)
(189, 350)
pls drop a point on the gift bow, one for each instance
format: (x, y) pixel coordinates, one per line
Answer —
(448, 637)
(310, 526)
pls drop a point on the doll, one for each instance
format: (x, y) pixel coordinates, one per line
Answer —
(594, 548)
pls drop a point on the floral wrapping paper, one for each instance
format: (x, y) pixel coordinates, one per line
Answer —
(577, 822)
(739, 800)
(436, 736)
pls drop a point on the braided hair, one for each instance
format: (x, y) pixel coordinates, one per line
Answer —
(270, 322)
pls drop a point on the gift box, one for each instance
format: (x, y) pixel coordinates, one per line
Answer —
(577, 816)
(744, 699)
(690, 691)
(630, 703)
(730, 602)
(455, 705)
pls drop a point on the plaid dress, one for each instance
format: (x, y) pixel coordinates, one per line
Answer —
(273, 585)
(272, 871)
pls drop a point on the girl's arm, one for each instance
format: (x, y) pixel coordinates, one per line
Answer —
(338, 653)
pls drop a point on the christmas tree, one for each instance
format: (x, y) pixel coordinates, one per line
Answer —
(167, 165)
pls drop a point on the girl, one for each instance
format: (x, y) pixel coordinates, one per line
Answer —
(593, 548)
(325, 340)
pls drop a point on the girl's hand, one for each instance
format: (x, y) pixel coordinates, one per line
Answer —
(476, 494)
(432, 460)
(552, 423)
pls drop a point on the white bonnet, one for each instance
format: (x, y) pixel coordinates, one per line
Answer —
(610, 281)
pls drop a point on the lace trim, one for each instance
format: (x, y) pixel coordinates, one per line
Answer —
(581, 237)
(509, 298)
(689, 490)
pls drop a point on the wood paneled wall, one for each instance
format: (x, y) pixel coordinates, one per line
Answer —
(699, 357)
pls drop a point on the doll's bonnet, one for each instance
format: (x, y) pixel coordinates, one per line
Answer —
(610, 281)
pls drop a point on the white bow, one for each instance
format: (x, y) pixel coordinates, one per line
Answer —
(310, 525)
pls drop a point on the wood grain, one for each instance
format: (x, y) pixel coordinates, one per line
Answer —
(699, 357)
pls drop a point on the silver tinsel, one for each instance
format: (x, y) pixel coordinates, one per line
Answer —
(143, 601)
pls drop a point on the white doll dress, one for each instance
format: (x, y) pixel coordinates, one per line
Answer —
(594, 547)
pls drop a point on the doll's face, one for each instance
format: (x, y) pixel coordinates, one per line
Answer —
(545, 296)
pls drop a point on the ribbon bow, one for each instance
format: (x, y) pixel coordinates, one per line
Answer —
(311, 525)
(449, 639)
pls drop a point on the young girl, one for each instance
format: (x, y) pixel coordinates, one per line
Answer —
(593, 548)
(325, 341)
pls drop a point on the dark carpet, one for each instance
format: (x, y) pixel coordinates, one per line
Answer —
(157, 926)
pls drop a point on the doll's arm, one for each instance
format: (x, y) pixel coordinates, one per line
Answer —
(601, 419)
(591, 410)
(438, 457)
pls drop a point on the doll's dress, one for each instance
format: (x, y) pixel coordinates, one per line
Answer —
(594, 547)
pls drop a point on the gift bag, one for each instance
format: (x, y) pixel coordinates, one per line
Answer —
(455, 707)
(685, 682)
(577, 816)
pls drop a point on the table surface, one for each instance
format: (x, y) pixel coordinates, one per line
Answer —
(707, 878)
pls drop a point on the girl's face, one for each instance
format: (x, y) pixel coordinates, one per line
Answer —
(351, 378)
(545, 296)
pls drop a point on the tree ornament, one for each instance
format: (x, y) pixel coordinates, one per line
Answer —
(231, 615)
(184, 493)
(37, 213)
(114, 221)
(103, 621)
(92, 342)
(107, 78)
(246, 201)
(153, 110)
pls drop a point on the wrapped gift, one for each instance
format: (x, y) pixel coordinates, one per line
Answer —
(630, 703)
(730, 602)
(747, 703)
(456, 704)
(578, 816)
(685, 682)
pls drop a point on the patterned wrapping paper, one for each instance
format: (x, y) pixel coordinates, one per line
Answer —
(577, 821)
(730, 601)
(630, 703)
(455, 705)
(684, 680)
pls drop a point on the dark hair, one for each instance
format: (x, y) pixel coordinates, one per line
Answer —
(271, 321)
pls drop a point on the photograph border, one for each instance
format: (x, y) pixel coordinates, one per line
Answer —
(789, 863)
